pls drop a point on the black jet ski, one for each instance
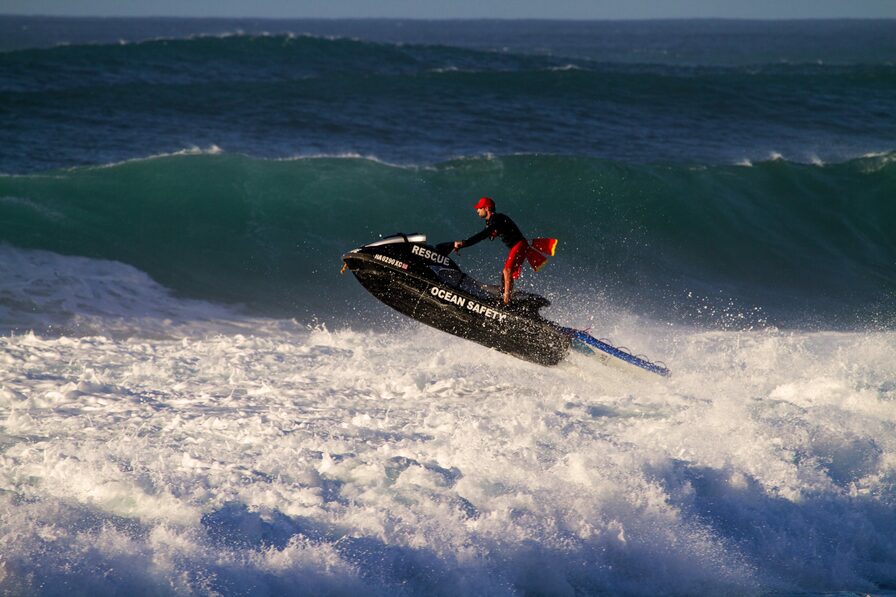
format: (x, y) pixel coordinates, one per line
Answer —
(423, 282)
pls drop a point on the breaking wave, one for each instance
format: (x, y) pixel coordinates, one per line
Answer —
(778, 242)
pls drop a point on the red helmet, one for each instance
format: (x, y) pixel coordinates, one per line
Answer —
(486, 203)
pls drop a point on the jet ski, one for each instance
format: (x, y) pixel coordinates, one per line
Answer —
(424, 283)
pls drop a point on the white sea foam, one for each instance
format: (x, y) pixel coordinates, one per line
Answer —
(879, 154)
(192, 150)
(269, 456)
(876, 161)
(565, 67)
(52, 294)
(351, 155)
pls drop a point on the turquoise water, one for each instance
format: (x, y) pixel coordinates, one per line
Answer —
(776, 242)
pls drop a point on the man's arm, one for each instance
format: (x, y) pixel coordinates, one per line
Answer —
(481, 235)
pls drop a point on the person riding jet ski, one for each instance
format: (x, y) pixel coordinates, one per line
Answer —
(501, 226)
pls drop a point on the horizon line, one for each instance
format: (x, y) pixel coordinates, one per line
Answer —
(446, 19)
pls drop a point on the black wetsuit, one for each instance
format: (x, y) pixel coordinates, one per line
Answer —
(501, 226)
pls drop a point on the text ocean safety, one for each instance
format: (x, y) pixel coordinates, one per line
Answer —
(463, 302)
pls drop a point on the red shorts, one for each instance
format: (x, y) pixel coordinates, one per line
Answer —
(516, 258)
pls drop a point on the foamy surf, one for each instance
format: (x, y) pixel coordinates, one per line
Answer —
(271, 456)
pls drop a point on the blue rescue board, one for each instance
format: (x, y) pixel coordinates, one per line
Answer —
(585, 343)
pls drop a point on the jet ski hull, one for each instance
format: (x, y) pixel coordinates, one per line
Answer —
(410, 284)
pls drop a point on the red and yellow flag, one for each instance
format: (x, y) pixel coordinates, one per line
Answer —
(544, 245)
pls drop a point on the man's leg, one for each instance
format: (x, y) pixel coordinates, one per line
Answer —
(508, 285)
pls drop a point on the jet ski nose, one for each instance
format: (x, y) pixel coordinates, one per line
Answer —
(351, 260)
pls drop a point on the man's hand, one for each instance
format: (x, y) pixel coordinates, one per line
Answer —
(458, 244)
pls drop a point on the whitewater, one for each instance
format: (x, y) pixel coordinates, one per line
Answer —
(164, 445)
(193, 401)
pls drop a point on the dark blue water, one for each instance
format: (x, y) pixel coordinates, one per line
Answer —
(418, 92)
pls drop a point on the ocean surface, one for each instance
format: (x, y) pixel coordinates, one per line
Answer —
(194, 401)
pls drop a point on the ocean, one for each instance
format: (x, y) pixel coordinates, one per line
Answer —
(193, 400)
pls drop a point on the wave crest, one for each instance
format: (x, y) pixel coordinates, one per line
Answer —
(803, 242)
